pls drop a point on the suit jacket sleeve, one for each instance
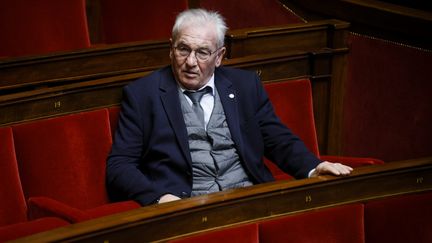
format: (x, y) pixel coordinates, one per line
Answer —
(123, 163)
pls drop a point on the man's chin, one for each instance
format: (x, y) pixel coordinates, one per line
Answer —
(190, 83)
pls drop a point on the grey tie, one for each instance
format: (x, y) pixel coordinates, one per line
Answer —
(195, 97)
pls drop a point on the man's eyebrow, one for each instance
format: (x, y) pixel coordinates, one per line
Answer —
(182, 43)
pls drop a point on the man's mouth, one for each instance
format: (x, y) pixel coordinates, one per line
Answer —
(190, 73)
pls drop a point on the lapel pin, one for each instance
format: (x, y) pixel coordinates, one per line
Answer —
(231, 96)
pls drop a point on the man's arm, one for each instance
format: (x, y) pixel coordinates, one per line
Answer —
(286, 149)
(329, 168)
(124, 177)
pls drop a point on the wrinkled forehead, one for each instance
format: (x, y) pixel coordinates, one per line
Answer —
(197, 34)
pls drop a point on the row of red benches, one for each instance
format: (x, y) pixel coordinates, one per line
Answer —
(48, 25)
(56, 166)
(394, 219)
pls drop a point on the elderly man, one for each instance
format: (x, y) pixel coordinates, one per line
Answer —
(195, 127)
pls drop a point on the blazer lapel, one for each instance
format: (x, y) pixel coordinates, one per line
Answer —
(228, 97)
(171, 102)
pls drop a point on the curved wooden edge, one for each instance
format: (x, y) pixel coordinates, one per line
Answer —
(249, 204)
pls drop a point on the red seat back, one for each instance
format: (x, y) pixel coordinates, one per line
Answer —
(244, 233)
(35, 27)
(399, 219)
(338, 224)
(13, 208)
(114, 113)
(387, 105)
(292, 101)
(137, 20)
(64, 158)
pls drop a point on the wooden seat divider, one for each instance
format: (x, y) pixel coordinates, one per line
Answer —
(18, 74)
(249, 205)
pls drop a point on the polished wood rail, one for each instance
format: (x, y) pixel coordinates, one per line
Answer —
(252, 204)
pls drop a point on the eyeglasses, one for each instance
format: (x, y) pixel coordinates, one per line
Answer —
(201, 54)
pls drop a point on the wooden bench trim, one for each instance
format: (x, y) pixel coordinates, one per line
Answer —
(250, 204)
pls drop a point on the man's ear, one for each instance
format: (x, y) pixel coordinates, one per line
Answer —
(220, 56)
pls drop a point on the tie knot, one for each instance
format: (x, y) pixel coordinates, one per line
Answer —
(196, 96)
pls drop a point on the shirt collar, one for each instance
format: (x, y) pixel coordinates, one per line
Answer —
(210, 84)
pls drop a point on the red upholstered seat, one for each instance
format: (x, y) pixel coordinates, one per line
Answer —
(252, 13)
(114, 113)
(13, 209)
(244, 233)
(399, 219)
(137, 20)
(338, 224)
(292, 101)
(62, 166)
(36, 27)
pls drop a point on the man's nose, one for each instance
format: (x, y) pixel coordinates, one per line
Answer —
(191, 60)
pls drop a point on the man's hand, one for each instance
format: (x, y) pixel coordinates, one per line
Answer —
(329, 168)
(168, 198)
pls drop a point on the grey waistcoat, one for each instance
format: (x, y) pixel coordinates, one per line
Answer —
(215, 163)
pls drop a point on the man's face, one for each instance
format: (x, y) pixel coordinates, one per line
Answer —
(200, 41)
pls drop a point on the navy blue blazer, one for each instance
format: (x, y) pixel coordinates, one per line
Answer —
(150, 155)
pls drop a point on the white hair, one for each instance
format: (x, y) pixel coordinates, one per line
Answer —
(201, 16)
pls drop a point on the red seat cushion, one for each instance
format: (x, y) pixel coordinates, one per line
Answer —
(399, 219)
(244, 233)
(19, 230)
(13, 208)
(338, 224)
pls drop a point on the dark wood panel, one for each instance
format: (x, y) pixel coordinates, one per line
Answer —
(306, 37)
(77, 66)
(251, 204)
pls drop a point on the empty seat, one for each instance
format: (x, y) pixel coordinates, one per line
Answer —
(13, 208)
(292, 101)
(137, 20)
(37, 27)
(62, 163)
